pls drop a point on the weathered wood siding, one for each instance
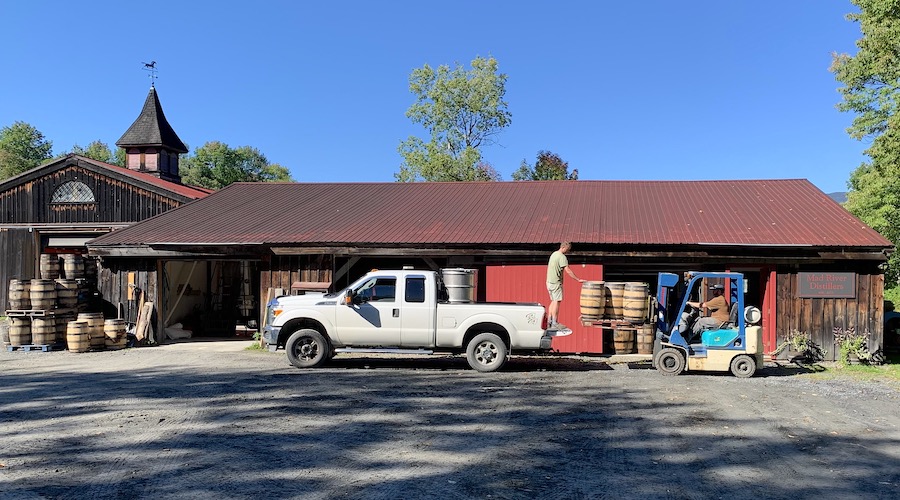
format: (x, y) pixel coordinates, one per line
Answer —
(280, 271)
(116, 200)
(17, 255)
(821, 316)
(113, 283)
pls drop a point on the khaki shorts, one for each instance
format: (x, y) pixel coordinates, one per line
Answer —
(555, 290)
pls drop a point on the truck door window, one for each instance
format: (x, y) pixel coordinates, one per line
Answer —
(381, 289)
(415, 289)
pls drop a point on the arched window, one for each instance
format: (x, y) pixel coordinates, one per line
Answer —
(73, 192)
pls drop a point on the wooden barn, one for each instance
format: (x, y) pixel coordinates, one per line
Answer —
(811, 265)
(57, 207)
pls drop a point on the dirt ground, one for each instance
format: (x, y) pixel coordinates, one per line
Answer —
(212, 421)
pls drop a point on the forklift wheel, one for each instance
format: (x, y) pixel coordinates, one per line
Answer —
(743, 366)
(670, 361)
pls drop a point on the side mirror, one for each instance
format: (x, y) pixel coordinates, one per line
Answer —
(348, 299)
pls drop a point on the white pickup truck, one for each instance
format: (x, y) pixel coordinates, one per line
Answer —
(401, 310)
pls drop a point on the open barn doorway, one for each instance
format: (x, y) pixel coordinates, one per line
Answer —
(209, 299)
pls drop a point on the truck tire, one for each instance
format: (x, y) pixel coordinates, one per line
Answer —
(743, 366)
(486, 352)
(670, 361)
(307, 348)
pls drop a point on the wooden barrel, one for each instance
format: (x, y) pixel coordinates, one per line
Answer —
(43, 330)
(645, 338)
(84, 296)
(49, 266)
(67, 293)
(73, 266)
(593, 300)
(90, 268)
(19, 330)
(114, 331)
(19, 294)
(43, 294)
(614, 304)
(94, 321)
(623, 340)
(78, 337)
(635, 302)
(61, 321)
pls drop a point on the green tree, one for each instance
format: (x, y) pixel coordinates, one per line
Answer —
(215, 165)
(871, 90)
(119, 157)
(548, 167)
(462, 111)
(96, 150)
(22, 147)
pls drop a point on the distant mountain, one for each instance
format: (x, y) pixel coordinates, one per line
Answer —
(840, 197)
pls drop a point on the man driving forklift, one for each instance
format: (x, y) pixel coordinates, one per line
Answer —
(718, 317)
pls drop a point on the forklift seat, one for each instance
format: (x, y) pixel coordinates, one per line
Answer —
(732, 316)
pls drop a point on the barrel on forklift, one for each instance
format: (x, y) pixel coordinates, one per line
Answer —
(734, 346)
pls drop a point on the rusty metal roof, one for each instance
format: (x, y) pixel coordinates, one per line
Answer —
(741, 212)
(192, 192)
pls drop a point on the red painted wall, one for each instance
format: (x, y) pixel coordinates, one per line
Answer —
(528, 283)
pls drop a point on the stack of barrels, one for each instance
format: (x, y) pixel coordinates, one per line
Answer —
(65, 285)
(45, 308)
(624, 303)
(612, 300)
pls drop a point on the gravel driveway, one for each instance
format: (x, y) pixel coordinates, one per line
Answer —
(211, 420)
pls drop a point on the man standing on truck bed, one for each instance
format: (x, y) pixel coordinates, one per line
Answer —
(558, 262)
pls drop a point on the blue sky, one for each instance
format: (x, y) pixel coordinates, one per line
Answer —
(651, 90)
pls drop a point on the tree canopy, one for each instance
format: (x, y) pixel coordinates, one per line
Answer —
(100, 151)
(871, 90)
(547, 167)
(462, 110)
(22, 147)
(216, 165)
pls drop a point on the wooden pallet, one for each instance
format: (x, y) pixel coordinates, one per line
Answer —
(34, 347)
(613, 324)
(40, 312)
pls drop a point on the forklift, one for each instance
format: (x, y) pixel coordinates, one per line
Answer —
(734, 346)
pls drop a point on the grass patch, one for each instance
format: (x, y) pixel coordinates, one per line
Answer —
(888, 373)
(254, 347)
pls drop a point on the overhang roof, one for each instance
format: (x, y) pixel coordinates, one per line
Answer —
(740, 212)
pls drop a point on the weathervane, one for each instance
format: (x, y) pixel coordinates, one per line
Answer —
(151, 67)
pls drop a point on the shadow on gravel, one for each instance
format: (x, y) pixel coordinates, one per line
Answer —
(513, 365)
(782, 369)
(431, 429)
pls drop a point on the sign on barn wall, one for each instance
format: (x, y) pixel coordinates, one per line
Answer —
(834, 285)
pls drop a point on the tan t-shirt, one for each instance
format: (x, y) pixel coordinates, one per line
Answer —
(718, 308)
(558, 262)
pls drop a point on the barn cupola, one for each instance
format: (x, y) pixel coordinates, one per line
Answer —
(150, 144)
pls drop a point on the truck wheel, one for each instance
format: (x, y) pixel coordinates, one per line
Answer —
(743, 366)
(486, 352)
(670, 361)
(307, 349)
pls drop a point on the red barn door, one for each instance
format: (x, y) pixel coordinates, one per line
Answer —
(528, 283)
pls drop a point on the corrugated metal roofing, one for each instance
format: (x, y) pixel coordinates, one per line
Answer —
(192, 192)
(182, 189)
(740, 212)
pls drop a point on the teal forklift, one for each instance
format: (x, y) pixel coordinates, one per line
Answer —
(734, 346)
